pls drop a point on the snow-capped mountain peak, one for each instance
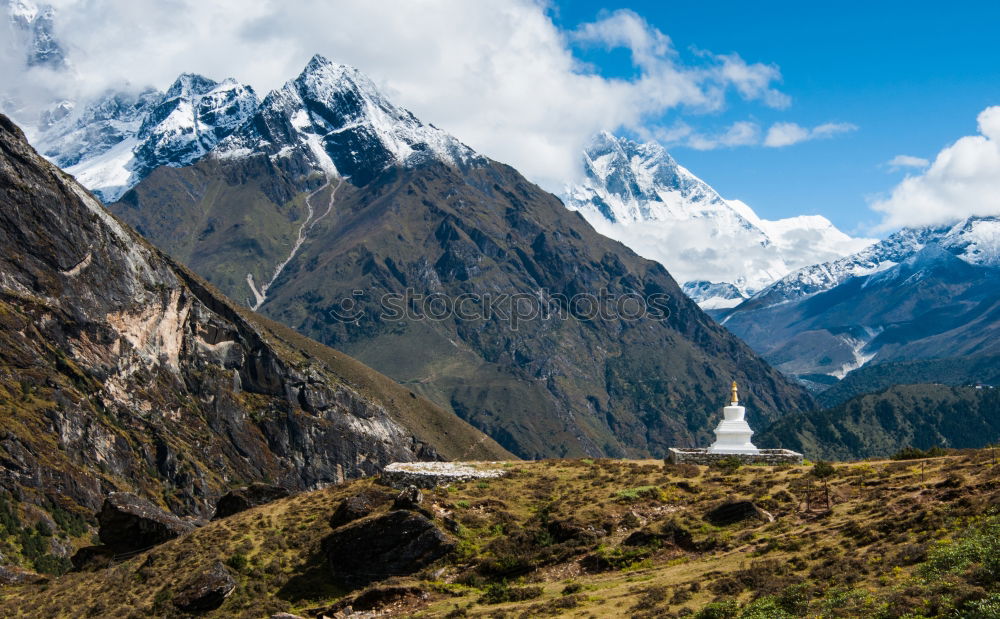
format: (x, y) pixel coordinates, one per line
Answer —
(974, 240)
(119, 138)
(638, 194)
(32, 28)
(344, 124)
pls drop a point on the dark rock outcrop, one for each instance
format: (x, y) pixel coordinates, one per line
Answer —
(358, 506)
(732, 512)
(242, 499)
(205, 591)
(396, 544)
(129, 523)
(92, 558)
(131, 372)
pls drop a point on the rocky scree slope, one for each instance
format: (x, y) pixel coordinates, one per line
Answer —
(418, 213)
(121, 370)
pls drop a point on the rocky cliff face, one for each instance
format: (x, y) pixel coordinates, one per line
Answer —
(121, 370)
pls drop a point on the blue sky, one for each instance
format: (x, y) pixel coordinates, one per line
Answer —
(911, 76)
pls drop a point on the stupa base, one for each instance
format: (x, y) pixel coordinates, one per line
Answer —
(705, 457)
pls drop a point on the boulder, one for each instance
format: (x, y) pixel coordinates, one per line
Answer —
(242, 499)
(410, 498)
(358, 506)
(11, 575)
(395, 544)
(732, 512)
(569, 529)
(664, 533)
(129, 523)
(91, 558)
(205, 591)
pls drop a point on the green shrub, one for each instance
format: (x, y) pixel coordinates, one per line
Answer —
(500, 592)
(632, 495)
(913, 453)
(719, 610)
(729, 464)
(976, 550)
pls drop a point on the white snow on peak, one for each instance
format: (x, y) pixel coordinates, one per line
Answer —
(639, 195)
(346, 124)
(115, 140)
(24, 9)
(975, 240)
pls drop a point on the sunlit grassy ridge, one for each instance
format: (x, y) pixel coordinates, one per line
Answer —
(607, 538)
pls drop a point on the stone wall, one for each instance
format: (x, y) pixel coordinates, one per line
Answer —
(764, 456)
(430, 474)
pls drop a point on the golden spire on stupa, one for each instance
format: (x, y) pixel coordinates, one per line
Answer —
(736, 397)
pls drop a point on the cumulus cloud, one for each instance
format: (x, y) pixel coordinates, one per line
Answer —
(963, 180)
(499, 75)
(742, 133)
(788, 133)
(745, 133)
(906, 161)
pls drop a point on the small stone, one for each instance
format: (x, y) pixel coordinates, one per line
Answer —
(410, 498)
(206, 591)
(242, 499)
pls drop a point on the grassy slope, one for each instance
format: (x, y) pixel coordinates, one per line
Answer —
(871, 555)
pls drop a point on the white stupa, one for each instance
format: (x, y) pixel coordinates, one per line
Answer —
(732, 435)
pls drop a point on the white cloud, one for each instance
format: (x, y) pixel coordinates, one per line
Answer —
(745, 133)
(963, 180)
(787, 133)
(742, 133)
(499, 75)
(906, 161)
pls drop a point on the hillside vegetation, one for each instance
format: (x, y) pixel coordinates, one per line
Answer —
(878, 424)
(607, 538)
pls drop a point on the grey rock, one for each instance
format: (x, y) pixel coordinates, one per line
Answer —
(396, 544)
(206, 591)
(732, 512)
(358, 506)
(242, 499)
(410, 498)
(130, 523)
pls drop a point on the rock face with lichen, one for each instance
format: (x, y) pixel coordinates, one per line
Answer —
(122, 371)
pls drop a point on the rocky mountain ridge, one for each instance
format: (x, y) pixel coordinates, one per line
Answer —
(925, 293)
(350, 200)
